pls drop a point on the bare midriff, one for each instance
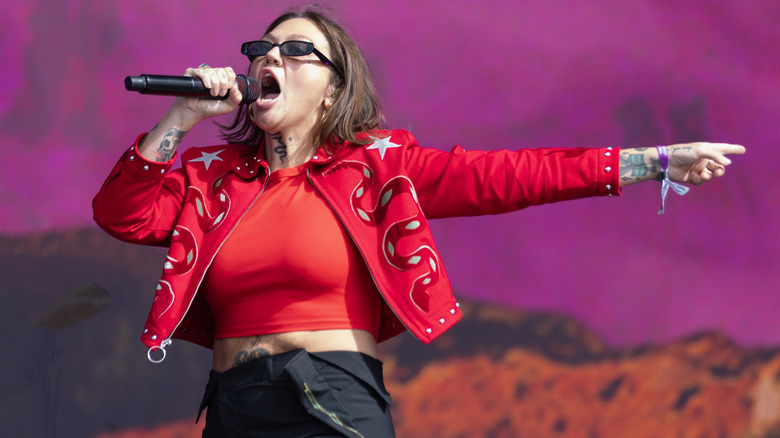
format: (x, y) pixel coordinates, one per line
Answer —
(230, 352)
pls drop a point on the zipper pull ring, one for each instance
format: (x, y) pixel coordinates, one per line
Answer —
(162, 346)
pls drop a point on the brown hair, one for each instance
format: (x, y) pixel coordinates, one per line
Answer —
(356, 108)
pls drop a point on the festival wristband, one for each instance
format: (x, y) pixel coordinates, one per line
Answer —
(666, 183)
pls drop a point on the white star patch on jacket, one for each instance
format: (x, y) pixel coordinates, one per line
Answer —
(207, 158)
(382, 145)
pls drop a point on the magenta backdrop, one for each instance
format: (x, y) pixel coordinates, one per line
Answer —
(498, 74)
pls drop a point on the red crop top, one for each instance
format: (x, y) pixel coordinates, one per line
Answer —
(290, 266)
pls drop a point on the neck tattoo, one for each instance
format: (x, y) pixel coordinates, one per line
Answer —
(280, 148)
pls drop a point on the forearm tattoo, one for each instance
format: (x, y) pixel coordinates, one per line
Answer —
(633, 166)
(251, 353)
(280, 148)
(655, 167)
(168, 146)
(143, 139)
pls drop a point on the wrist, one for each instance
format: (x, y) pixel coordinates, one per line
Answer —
(180, 118)
(666, 183)
(663, 162)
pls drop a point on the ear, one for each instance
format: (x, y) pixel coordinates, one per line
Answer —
(333, 94)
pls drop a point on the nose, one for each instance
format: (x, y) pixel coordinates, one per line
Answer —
(274, 56)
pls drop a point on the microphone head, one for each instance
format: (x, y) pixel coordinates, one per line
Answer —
(249, 88)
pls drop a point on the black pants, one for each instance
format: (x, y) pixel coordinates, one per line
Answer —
(299, 394)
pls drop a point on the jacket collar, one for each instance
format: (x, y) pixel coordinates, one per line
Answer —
(250, 164)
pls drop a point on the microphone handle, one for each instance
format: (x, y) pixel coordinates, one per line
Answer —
(164, 85)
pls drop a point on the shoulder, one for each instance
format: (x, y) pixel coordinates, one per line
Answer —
(216, 155)
(385, 139)
(398, 136)
(381, 145)
(223, 151)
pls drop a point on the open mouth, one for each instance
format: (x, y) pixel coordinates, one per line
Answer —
(269, 88)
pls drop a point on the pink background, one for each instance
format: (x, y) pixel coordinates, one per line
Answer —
(489, 75)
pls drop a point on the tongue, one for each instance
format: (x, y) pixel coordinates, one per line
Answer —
(270, 96)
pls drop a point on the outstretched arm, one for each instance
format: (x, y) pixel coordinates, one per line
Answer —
(693, 163)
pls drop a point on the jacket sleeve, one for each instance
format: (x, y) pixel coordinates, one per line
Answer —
(469, 183)
(140, 200)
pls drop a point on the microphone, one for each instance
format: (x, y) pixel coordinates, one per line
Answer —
(163, 85)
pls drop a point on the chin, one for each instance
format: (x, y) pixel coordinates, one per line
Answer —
(266, 123)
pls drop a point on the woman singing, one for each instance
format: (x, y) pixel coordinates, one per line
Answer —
(303, 242)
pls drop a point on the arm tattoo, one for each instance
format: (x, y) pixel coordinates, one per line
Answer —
(251, 353)
(168, 146)
(143, 139)
(279, 147)
(632, 166)
(655, 167)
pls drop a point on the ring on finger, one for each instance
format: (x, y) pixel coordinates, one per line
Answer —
(204, 65)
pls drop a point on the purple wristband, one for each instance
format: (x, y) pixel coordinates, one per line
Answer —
(666, 183)
(663, 157)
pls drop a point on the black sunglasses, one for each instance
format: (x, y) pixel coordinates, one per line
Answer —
(256, 49)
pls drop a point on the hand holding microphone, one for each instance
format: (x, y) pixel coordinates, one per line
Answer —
(202, 92)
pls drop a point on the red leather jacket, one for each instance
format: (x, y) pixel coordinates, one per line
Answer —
(383, 193)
